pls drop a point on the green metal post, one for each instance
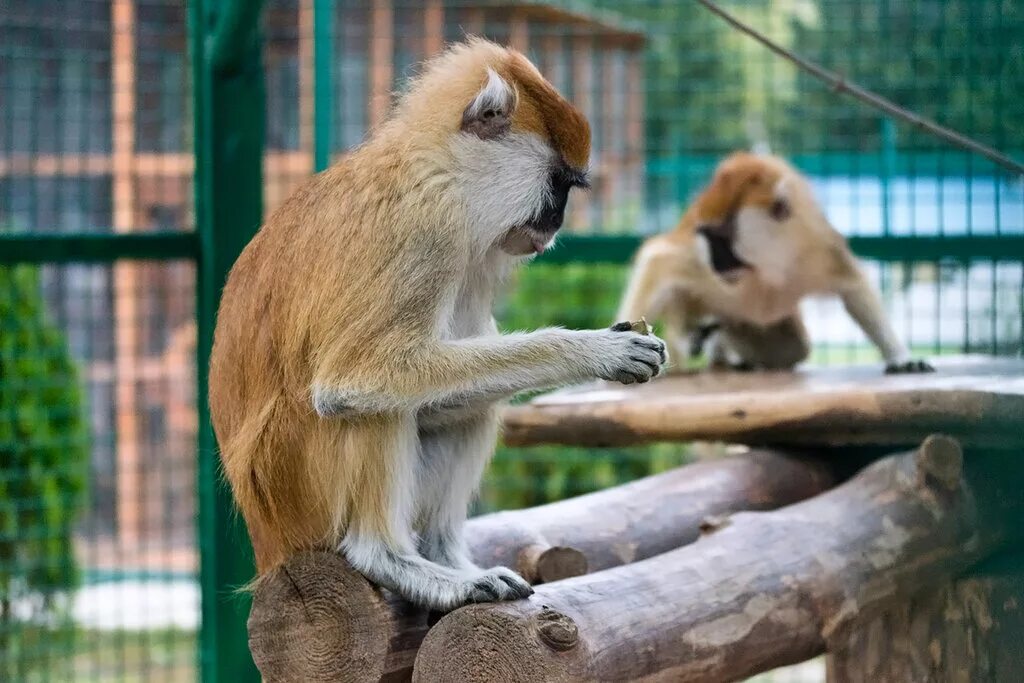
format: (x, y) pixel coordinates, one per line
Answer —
(323, 82)
(229, 123)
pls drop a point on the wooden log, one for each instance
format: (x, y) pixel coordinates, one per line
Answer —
(765, 590)
(978, 400)
(646, 517)
(316, 619)
(970, 629)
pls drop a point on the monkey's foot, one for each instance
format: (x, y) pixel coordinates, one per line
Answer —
(908, 367)
(499, 583)
(429, 584)
(486, 585)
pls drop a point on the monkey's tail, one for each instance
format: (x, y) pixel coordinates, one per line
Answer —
(282, 503)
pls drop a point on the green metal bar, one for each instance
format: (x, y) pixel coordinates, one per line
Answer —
(961, 248)
(620, 248)
(229, 105)
(323, 83)
(43, 248)
(237, 22)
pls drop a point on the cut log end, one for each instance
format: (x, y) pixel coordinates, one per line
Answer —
(560, 562)
(713, 610)
(523, 642)
(310, 616)
(542, 563)
(940, 462)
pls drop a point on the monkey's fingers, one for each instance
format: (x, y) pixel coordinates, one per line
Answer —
(640, 326)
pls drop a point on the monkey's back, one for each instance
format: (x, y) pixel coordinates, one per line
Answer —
(333, 278)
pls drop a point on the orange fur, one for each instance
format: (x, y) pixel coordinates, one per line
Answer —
(799, 256)
(344, 285)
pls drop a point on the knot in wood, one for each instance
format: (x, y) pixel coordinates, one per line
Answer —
(556, 630)
(712, 523)
(940, 460)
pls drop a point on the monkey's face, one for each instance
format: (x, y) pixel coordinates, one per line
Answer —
(746, 219)
(520, 150)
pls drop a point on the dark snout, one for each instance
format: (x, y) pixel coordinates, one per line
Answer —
(724, 229)
(561, 182)
(720, 238)
(551, 217)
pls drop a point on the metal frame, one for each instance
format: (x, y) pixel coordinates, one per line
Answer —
(572, 248)
(228, 101)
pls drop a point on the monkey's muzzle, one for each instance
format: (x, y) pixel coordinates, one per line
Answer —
(720, 238)
(536, 236)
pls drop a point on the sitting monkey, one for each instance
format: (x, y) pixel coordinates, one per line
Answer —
(356, 364)
(733, 272)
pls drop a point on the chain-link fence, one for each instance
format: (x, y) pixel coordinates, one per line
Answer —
(99, 554)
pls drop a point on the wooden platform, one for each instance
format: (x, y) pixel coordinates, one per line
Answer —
(977, 399)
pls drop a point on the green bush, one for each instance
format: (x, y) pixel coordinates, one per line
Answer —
(577, 296)
(43, 461)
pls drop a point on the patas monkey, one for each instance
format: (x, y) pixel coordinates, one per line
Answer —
(356, 364)
(752, 245)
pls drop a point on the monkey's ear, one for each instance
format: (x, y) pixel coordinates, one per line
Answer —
(489, 115)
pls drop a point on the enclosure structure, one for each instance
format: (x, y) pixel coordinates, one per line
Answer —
(126, 162)
(829, 541)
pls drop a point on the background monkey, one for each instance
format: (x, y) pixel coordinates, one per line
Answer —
(752, 245)
(356, 362)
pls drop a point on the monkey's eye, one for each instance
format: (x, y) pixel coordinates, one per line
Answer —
(779, 210)
(569, 177)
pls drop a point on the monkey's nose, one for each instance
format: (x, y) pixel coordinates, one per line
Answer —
(551, 219)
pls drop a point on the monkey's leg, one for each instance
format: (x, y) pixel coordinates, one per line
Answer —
(677, 338)
(779, 346)
(864, 305)
(378, 541)
(720, 353)
(451, 462)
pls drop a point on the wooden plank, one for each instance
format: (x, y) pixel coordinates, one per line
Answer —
(306, 76)
(316, 619)
(977, 399)
(127, 280)
(433, 27)
(970, 629)
(759, 590)
(382, 47)
(519, 31)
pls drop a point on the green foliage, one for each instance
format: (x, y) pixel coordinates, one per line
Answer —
(43, 456)
(577, 296)
(957, 61)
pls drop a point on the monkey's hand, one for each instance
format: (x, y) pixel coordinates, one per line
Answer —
(628, 357)
(908, 367)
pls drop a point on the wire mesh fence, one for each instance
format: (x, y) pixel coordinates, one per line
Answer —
(98, 548)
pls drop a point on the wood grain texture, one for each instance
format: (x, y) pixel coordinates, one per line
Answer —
(315, 619)
(971, 629)
(646, 517)
(763, 590)
(979, 400)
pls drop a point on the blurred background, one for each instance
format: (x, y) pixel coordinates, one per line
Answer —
(105, 537)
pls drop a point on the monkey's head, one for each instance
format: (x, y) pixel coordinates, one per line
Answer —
(513, 145)
(756, 214)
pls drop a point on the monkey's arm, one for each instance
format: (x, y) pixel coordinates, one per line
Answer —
(456, 372)
(864, 305)
(656, 269)
(654, 291)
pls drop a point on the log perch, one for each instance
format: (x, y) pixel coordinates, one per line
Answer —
(315, 619)
(976, 399)
(765, 590)
(641, 519)
(969, 629)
